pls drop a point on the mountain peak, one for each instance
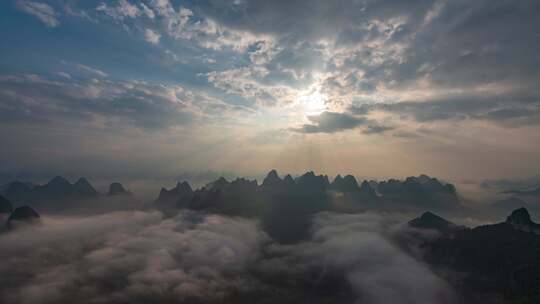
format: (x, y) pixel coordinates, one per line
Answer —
(311, 182)
(345, 184)
(272, 174)
(84, 187)
(5, 205)
(429, 220)
(519, 216)
(184, 187)
(272, 179)
(59, 180)
(22, 214)
(117, 189)
(218, 184)
(82, 180)
(289, 180)
(521, 220)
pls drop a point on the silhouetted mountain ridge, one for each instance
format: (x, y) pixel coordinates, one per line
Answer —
(24, 214)
(521, 220)
(291, 202)
(501, 258)
(5, 205)
(429, 220)
(59, 194)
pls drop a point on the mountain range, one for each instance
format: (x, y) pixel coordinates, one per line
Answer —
(481, 262)
(421, 190)
(57, 189)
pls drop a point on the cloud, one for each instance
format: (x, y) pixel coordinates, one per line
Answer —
(124, 9)
(151, 36)
(129, 256)
(507, 110)
(148, 11)
(44, 12)
(136, 256)
(249, 83)
(388, 53)
(392, 53)
(523, 183)
(91, 70)
(376, 129)
(361, 247)
(98, 102)
(331, 122)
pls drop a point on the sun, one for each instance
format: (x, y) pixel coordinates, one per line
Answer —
(312, 103)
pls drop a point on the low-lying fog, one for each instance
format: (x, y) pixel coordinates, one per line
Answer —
(142, 257)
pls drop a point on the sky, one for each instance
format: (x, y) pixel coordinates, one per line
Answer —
(376, 88)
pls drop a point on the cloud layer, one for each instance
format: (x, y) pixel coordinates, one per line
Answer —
(142, 257)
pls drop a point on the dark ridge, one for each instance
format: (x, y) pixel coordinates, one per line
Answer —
(22, 214)
(345, 184)
(289, 181)
(272, 180)
(219, 184)
(84, 188)
(179, 196)
(5, 205)
(521, 220)
(366, 188)
(500, 258)
(429, 220)
(117, 189)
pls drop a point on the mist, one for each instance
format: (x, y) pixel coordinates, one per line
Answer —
(142, 257)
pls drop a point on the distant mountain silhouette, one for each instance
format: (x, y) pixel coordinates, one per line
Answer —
(289, 181)
(286, 205)
(219, 184)
(430, 220)
(19, 191)
(345, 184)
(56, 190)
(117, 189)
(179, 196)
(501, 259)
(60, 196)
(22, 214)
(521, 220)
(312, 183)
(5, 205)
(272, 181)
(84, 188)
(421, 191)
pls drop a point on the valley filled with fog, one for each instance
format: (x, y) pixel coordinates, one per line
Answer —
(287, 240)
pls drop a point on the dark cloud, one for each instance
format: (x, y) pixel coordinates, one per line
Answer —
(505, 110)
(376, 129)
(331, 122)
(406, 134)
